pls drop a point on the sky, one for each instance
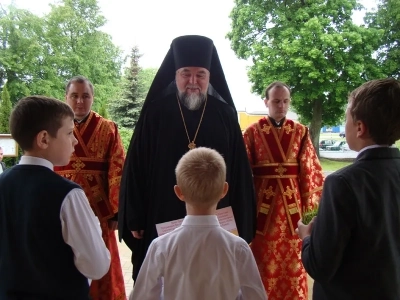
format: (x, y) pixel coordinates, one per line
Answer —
(153, 24)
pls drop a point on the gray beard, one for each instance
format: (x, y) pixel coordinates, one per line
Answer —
(192, 101)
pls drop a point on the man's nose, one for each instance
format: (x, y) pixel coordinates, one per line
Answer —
(79, 100)
(74, 141)
(192, 79)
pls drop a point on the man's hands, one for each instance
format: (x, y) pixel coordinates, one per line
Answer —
(138, 234)
(304, 230)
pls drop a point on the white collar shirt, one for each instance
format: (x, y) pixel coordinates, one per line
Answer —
(199, 260)
(80, 229)
(374, 146)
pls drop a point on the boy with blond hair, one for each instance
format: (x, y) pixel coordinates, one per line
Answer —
(199, 260)
(50, 239)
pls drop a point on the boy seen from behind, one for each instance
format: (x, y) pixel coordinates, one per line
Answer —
(50, 239)
(199, 259)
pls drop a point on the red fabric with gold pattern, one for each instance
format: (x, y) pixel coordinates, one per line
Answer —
(288, 179)
(96, 166)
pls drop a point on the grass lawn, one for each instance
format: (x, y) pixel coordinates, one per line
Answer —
(333, 165)
(328, 164)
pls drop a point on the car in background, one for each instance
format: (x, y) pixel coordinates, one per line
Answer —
(345, 147)
(324, 143)
(337, 146)
(342, 134)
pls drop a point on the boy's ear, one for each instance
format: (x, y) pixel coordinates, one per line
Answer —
(225, 190)
(178, 193)
(42, 139)
(362, 130)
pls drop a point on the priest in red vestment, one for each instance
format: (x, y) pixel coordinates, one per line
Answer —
(96, 165)
(288, 179)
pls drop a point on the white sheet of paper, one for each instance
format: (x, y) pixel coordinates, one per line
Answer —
(224, 215)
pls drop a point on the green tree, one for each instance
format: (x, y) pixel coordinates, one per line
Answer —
(77, 46)
(387, 18)
(103, 111)
(145, 78)
(39, 55)
(126, 135)
(5, 110)
(135, 84)
(21, 52)
(311, 45)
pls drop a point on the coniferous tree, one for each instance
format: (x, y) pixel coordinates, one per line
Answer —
(134, 85)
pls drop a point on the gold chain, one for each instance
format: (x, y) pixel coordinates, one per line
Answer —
(191, 145)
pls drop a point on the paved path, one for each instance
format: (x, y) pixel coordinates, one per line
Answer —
(125, 256)
(338, 154)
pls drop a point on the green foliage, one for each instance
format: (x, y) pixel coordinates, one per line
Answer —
(103, 111)
(135, 84)
(78, 47)
(38, 55)
(308, 215)
(333, 165)
(21, 51)
(145, 79)
(5, 110)
(126, 135)
(9, 161)
(387, 19)
(311, 45)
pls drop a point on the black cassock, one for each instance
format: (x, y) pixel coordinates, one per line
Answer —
(147, 189)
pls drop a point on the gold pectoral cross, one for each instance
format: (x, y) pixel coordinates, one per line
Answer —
(192, 145)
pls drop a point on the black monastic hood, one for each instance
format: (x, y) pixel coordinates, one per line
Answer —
(190, 51)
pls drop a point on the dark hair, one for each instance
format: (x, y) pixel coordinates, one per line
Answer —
(276, 84)
(79, 79)
(33, 114)
(377, 104)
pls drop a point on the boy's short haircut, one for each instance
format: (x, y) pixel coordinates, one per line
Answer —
(79, 79)
(276, 84)
(377, 104)
(201, 174)
(33, 114)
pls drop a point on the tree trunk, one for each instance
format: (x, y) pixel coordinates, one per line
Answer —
(316, 122)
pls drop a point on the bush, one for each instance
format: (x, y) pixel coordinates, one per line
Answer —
(10, 161)
(126, 135)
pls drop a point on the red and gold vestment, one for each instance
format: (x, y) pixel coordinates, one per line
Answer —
(288, 179)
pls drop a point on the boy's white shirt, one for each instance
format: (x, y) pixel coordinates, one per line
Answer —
(80, 229)
(199, 260)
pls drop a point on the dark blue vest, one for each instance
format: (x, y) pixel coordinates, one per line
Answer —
(35, 262)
